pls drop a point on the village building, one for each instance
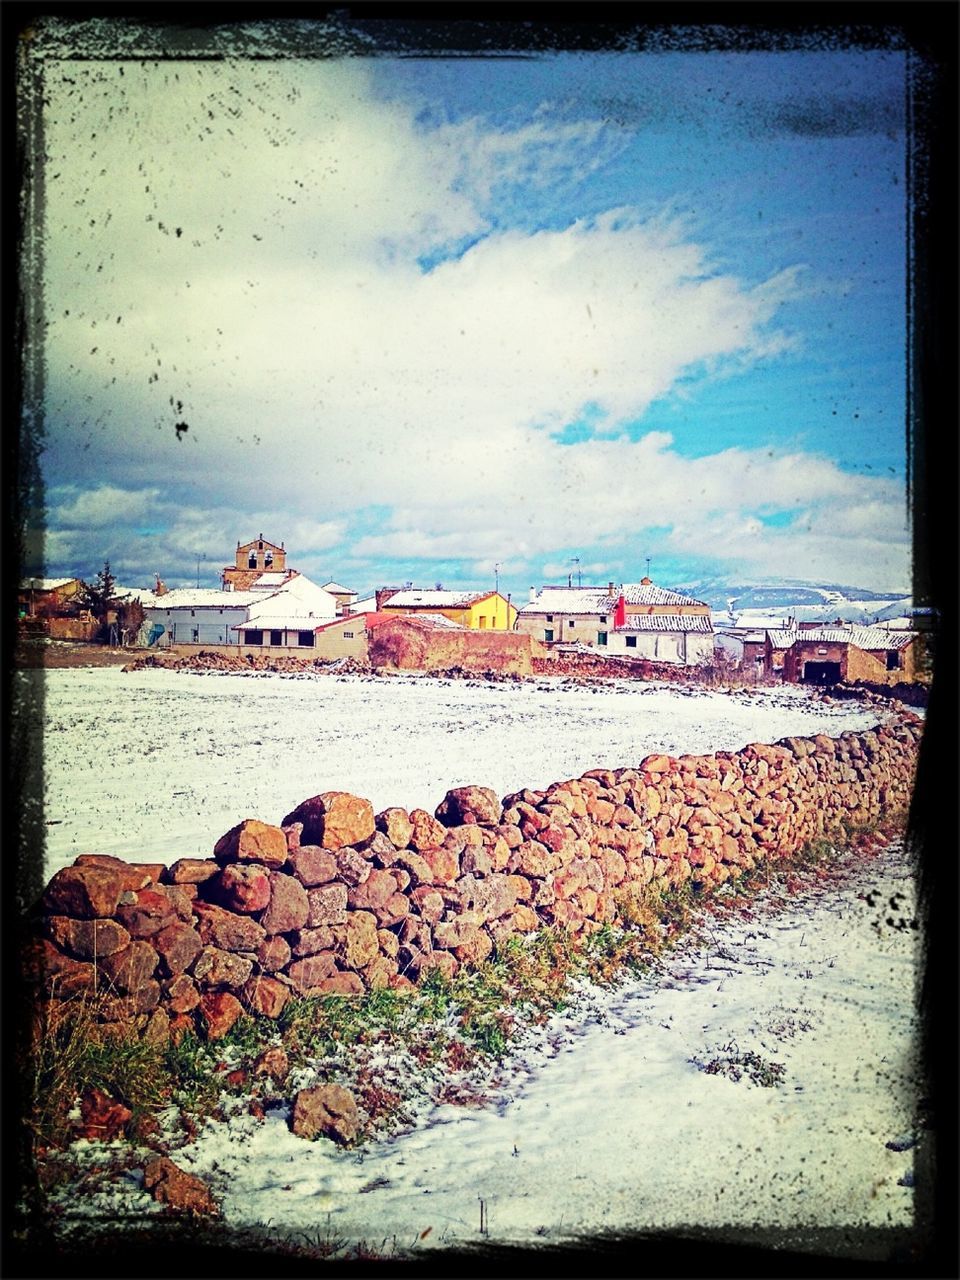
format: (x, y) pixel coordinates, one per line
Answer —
(639, 620)
(38, 597)
(479, 610)
(253, 560)
(830, 654)
(267, 614)
(344, 597)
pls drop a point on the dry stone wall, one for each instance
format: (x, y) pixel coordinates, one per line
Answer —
(338, 899)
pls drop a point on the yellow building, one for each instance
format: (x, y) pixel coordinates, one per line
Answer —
(480, 610)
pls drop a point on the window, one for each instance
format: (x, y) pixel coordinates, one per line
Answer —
(348, 635)
(548, 635)
(482, 620)
(268, 560)
(601, 637)
(549, 617)
(893, 660)
(254, 637)
(604, 618)
(571, 622)
(305, 639)
(631, 642)
(276, 637)
(193, 613)
(252, 560)
(195, 634)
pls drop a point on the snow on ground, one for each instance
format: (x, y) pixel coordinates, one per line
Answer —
(603, 1121)
(157, 765)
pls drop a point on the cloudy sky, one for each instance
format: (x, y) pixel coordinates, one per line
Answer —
(421, 317)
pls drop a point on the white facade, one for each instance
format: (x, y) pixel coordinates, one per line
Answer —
(209, 616)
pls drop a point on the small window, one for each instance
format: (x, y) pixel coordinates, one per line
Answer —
(893, 660)
(631, 642)
(254, 637)
(348, 635)
(268, 560)
(604, 618)
(601, 637)
(276, 637)
(196, 635)
(821, 652)
(571, 622)
(482, 620)
(548, 635)
(305, 639)
(252, 560)
(549, 617)
(193, 613)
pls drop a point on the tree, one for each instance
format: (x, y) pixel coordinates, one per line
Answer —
(99, 596)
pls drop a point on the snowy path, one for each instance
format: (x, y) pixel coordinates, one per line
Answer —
(156, 765)
(603, 1122)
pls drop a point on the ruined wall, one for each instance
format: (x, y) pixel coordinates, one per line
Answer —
(407, 645)
(336, 899)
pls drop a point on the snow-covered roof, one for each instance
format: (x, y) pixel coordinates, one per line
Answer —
(571, 600)
(367, 605)
(279, 623)
(431, 599)
(650, 593)
(44, 584)
(862, 637)
(206, 598)
(146, 597)
(667, 622)
(269, 581)
(335, 589)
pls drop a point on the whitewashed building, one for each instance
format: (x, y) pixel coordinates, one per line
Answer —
(209, 616)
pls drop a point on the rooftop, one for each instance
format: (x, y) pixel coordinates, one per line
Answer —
(432, 599)
(667, 622)
(863, 637)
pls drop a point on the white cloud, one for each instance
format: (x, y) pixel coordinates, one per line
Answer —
(104, 506)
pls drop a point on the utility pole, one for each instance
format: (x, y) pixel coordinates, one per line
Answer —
(496, 577)
(648, 566)
(576, 560)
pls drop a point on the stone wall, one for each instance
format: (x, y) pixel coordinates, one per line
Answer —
(337, 899)
(407, 644)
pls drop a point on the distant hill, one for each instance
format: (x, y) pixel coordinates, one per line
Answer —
(809, 602)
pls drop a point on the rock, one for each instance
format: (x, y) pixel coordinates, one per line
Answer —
(145, 913)
(395, 909)
(443, 961)
(657, 764)
(327, 1110)
(272, 1062)
(428, 903)
(181, 994)
(191, 871)
(328, 905)
(219, 1010)
(293, 831)
(134, 875)
(464, 805)
(427, 832)
(87, 939)
(378, 973)
(374, 892)
(361, 943)
(289, 906)
(265, 996)
(225, 929)
(252, 841)
(102, 1118)
(217, 968)
(170, 1185)
(178, 945)
(342, 984)
(84, 892)
(352, 867)
(157, 1030)
(242, 887)
(444, 865)
(273, 954)
(307, 942)
(334, 819)
(129, 970)
(396, 826)
(307, 974)
(313, 865)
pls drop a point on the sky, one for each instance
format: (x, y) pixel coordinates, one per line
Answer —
(473, 321)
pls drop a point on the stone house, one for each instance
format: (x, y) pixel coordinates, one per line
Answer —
(827, 655)
(38, 597)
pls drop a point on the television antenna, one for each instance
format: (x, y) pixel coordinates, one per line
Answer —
(576, 560)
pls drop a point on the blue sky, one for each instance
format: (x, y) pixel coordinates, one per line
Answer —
(427, 316)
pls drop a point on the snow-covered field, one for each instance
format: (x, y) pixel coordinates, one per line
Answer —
(604, 1121)
(157, 765)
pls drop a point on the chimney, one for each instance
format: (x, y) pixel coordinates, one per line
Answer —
(533, 594)
(383, 594)
(609, 588)
(160, 587)
(646, 582)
